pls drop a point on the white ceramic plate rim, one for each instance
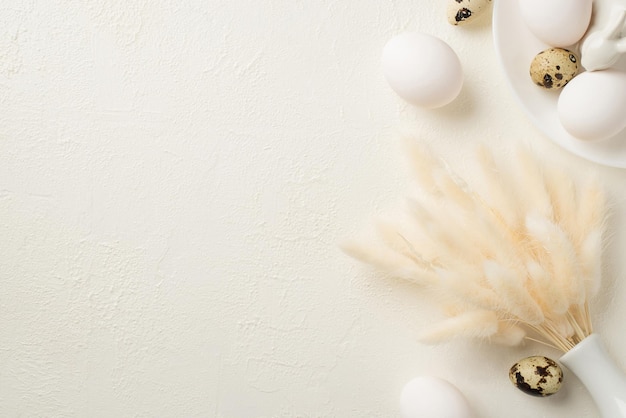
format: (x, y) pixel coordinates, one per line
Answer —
(515, 47)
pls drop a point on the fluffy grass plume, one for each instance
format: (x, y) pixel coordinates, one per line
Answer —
(512, 255)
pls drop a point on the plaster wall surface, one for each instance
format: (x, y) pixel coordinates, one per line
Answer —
(175, 178)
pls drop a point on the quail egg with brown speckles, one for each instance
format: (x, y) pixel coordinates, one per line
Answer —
(537, 376)
(553, 68)
(461, 12)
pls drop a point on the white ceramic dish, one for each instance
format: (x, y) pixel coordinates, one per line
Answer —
(516, 46)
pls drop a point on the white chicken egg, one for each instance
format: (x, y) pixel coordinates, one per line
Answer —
(558, 23)
(593, 105)
(422, 69)
(432, 397)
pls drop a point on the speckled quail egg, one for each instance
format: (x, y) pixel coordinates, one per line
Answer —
(461, 12)
(553, 68)
(536, 376)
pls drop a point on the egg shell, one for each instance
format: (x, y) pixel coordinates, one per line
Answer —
(553, 68)
(422, 69)
(593, 105)
(557, 23)
(537, 376)
(433, 397)
(460, 12)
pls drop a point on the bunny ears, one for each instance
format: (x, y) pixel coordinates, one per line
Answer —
(603, 48)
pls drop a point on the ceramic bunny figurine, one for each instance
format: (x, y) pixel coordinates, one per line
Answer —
(603, 48)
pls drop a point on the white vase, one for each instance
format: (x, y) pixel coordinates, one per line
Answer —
(604, 380)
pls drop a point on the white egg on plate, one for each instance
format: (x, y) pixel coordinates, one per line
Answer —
(593, 105)
(557, 23)
(422, 69)
(433, 397)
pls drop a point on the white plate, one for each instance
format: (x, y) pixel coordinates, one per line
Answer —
(516, 46)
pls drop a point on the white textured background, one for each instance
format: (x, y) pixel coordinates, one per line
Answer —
(175, 177)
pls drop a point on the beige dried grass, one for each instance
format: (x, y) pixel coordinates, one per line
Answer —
(514, 255)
